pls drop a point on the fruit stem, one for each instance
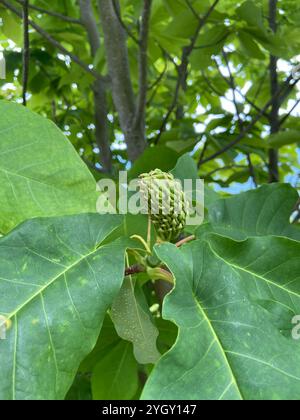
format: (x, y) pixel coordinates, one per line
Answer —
(186, 240)
(160, 274)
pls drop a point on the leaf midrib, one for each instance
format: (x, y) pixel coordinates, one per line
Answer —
(42, 289)
(234, 380)
(270, 282)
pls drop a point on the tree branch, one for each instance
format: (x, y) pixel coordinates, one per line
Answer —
(100, 102)
(251, 103)
(274, 86)
(91, 165)
(183, 69)
(26, 51)
(251, 169)
(53, 41)
(126, 29)
(240, 122)
(119, 71)
(51, 13)
(232, 86)
(285, 87)
(89, 22)
(139, 118)
(135, 269)
(283, 120)
(203, 151)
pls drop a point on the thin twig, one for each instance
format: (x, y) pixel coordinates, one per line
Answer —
(190, 6)
(251, 169)
(224, 37)
(91, 165)
(203, 151)
(53, 41)
(183, 68)
(225, 168)
(240, 122)
(51, 13)
(26, 50)
(139, 117)
(159, 78)
(282, 92)
(185, 241)
(127, 30)
(283, 120)
(232, 85)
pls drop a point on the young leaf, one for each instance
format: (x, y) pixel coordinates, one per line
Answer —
(133, 323)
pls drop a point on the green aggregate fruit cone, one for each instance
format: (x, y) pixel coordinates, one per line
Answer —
(166, 203)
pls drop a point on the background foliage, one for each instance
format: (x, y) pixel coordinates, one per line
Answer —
(205, 82)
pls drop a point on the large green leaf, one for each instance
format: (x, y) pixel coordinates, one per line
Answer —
(265, 211)
(229, 303)
(56, 284)
(133, 323)
(160, 157)
(40, 172)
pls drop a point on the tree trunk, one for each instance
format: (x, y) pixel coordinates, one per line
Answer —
(119, 72)
(100, 102)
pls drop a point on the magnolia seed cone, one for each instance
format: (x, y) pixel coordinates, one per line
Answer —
(166, 203)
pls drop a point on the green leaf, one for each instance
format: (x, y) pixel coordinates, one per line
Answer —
(116, 376)
(249, 46)
(80, 390)
(133, 323)
(183, 25)
(56, 285)
(230, 344)
(11, 27)
(186, 168)
(284, 138)
(265, 211)
(251, 13)
(40, 172)
(159, 157)
(107, 340)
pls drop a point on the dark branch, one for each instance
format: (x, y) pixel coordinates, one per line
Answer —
(282, 92)
(91, 165)
(143, 64)
(283, 120)
(51, 13)
(135, 269)
(274, 86)
(53, 41)
(26, 51)
(182, 70)
(203, 151)
(100, 101)
(251, 169)
(232, 85)
(251, 103)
